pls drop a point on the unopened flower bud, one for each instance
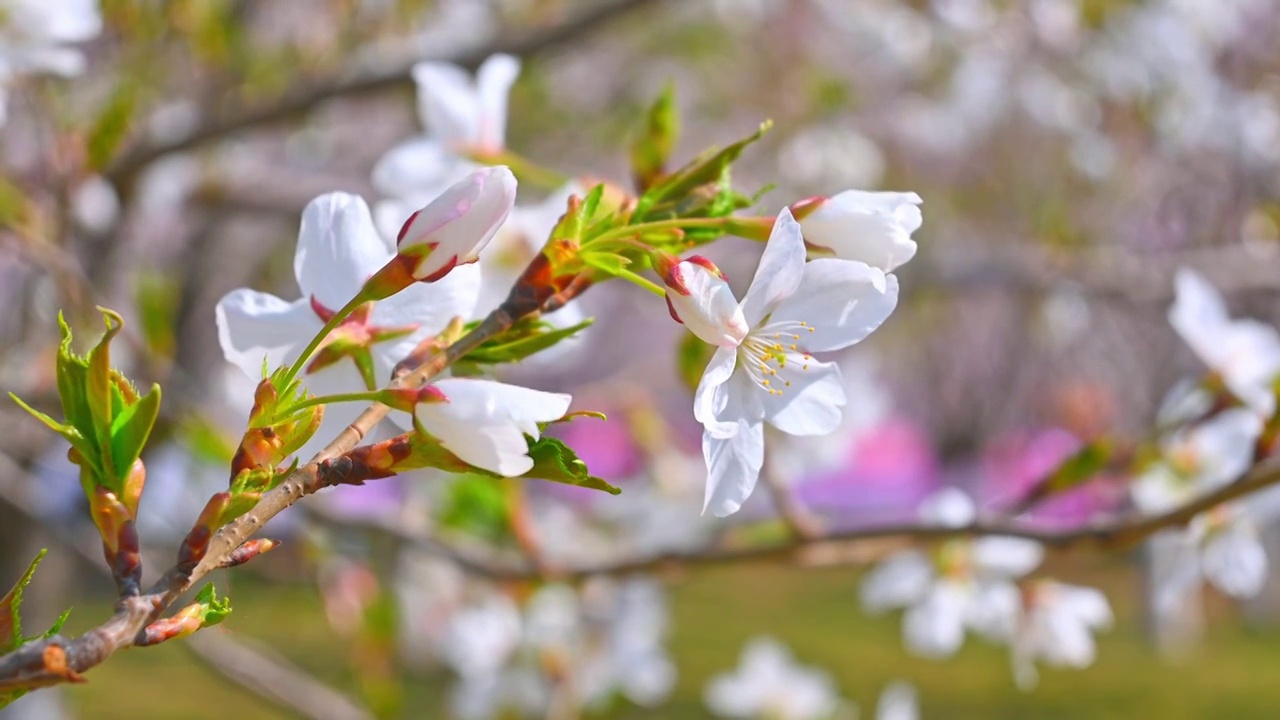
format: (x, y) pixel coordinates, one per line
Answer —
(701, 299)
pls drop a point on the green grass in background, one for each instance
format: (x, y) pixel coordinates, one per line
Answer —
(1233, 675)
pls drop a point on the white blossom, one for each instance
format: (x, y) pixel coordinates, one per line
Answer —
(870, 227)
(770, 684)
(1056, 625)
(338, 248)
(763, 370)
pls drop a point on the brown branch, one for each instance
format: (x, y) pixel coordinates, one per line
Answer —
(317, 92)
(1112, 535)
(270, 677)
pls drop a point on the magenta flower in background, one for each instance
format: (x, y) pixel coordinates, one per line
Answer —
(889, 469)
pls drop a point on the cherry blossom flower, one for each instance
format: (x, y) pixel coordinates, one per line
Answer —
(461, 117)
(763, 370)
(484, 422)
(870, 227)
(1245, 353)
(34, 35)
(770, 684)
(338, 249)
(1221, 545)
(629, 656)
(1055, 624)
(949, 591)
(898, 701)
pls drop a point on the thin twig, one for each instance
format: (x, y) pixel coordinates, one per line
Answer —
(309, 96)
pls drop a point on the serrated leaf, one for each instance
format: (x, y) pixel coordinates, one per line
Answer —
(555, 461)
(706, 169)
(11, 608)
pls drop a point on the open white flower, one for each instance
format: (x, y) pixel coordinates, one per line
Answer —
(770, 684)
(462, 113)
(629, 656)
(1246, 353)
(484, 422)
(1221, 545)
(34, 35)
(461, 116)
(870, 227)
(763, 370)
(1056, 625)
(338, 249)
(963, 585)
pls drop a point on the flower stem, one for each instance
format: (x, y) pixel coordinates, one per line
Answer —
(674, 223)
(638, 280)
(329, 326)
(366, 396)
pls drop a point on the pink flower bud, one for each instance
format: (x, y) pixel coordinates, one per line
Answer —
(455, 227)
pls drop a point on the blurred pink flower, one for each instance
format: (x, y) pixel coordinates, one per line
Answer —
(1015, 462)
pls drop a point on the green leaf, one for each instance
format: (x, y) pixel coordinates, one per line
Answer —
(610, 263)
(11, 607)
(657, 138)
(475, 504)
(708, 168)
(523, 340)
(692, 356)
(555, 461)
(131, 428)
(112, 124)
(213, 610)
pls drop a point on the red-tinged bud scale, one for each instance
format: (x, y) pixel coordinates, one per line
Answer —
(249, 551)
(196, 543)
(801, 209)
(133, 485)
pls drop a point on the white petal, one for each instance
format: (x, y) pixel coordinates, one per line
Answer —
(949, 507)
(812, 400)
(1087, 605)
(462, 220)
(898, 702)
(902, 579)
(419, 170)
(935, 628)
(448, 103)
(430, 306)
(1198, 313)
(994, 611)
(494, 79)
(253, 326)
(870, 227)
(780, 271)
(733, 466)
(1224, 446)
(484, 422)
(710, 400)
(844, 301)
(1006, 557)
(1175, 570)
(705, 304)
(1235, 561)
(338, 249)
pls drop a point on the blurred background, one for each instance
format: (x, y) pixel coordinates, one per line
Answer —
(1071, 155)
